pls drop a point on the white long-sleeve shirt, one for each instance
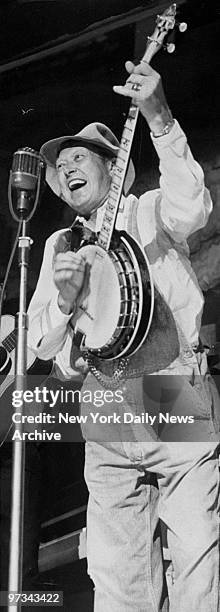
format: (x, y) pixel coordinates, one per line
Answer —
(165, 217)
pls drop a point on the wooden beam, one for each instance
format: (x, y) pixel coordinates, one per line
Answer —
(86, 36)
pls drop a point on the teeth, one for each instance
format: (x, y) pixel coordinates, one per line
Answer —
(76, 183)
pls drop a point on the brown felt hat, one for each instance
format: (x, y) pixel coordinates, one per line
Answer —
(95, 134)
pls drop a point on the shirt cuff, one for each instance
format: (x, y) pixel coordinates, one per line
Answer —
(57, 317)
(161, 142)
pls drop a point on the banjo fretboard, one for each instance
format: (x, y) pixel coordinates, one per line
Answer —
(165, 23)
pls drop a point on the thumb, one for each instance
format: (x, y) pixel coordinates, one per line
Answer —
(129, 66)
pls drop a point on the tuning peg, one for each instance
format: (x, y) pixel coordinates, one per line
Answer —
(169, 47)
(182, 26)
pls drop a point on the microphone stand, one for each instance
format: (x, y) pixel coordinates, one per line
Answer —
(18, 460)
(18, 455)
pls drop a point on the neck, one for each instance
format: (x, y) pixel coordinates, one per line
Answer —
(94, 211)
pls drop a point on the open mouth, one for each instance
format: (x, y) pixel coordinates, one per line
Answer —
(76, 184)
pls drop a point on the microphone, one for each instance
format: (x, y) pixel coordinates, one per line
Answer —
(26, 175)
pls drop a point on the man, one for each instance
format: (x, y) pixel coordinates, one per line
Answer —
(124, 551)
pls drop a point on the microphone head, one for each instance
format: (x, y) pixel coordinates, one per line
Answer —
(27, 165)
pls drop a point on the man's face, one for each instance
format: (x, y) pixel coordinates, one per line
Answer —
(84, 178)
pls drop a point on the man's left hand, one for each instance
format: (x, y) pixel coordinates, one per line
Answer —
(144, 86)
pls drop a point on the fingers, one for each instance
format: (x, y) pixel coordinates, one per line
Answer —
(137, 79)
(69, 256)
(69, 261)
(74, 267)
(131, 87)
(142, 68)
(69, 274)
(64, 275)
(129, 66)
(122, 91)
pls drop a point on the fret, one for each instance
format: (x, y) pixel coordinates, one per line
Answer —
(4, 343)
(132, 121)
(109, 212)
(128, 143)
(12, 335)
(115, 187)
(133, 109)
(9, 342)
(111, 207)
(8, 345)
(126, 127)
(123, 149)
(118, 169)
(117, 180)
(102, 241)
(119, 173)
(111, 197)
(109, 215)
(103, 245)
(118, 163)
(108, 219)
(125, 141)
(105, 229)
(132, 114)
(122, 158)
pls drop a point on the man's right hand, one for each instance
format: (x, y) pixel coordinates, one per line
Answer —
(70, 274)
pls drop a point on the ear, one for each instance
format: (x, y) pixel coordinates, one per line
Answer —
(110, 163)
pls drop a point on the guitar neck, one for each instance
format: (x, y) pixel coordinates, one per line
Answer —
(9, 342)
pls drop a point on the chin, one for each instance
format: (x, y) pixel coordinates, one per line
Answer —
(81, 209)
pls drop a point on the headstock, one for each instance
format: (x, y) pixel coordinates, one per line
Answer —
(164, 23)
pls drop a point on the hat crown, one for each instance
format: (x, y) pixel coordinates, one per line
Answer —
(100, 134)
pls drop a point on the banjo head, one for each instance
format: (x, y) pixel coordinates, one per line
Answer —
(101, 308)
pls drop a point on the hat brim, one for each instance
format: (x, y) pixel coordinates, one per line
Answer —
(50, 149)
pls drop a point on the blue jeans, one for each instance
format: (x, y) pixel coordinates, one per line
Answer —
(124, 546)
(125, 504)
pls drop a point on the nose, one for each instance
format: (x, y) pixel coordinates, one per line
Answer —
(70, 170)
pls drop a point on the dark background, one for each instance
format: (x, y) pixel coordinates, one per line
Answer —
(58, 63)
(59, 60)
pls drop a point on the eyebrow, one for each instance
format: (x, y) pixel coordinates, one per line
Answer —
(73, 154)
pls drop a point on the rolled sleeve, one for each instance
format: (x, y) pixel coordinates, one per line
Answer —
(48, 325)
(185, 202)
(56, 315)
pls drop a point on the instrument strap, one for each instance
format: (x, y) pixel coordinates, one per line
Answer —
(108, 382)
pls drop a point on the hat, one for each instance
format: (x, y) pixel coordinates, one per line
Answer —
(96, 134)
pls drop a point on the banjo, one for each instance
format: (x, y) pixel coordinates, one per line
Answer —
(116, 315)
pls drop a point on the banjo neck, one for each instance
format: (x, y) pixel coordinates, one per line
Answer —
(117, 182)
(164, 23)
